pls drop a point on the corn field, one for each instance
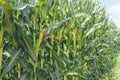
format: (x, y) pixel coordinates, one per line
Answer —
(56, 40)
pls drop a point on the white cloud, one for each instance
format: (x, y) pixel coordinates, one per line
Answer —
(114, 12)
(114, 9)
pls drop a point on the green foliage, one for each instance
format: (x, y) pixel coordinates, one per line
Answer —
(56, 40)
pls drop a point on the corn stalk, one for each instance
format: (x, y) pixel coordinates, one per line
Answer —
(1, 47)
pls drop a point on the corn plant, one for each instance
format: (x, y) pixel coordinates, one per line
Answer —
(56, 40)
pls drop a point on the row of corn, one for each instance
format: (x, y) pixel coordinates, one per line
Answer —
(56, 40)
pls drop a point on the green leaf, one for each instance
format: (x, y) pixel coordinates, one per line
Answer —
(52, 76)
(54, 26)
(72, 73)
(59, 61)
(30, 51)
(20, 7)
(94, 28)
(25, 65)
(57, 70)
(24, 76)
(11, 62)
(2, 2)
(49, 3)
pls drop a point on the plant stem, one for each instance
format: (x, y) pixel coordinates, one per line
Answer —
(42, 59)
(36, 54)
(18, 71)
(35, 66)
(1, 48)
(35, 11)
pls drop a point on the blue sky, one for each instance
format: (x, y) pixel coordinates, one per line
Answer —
(113, 9)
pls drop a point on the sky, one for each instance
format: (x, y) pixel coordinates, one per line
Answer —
(113, 9)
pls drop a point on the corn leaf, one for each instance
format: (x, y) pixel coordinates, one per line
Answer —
(11, 62)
